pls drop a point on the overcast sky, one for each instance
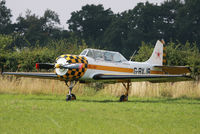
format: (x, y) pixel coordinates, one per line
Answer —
(65, 7)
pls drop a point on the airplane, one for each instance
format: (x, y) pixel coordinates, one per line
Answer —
(94, 65)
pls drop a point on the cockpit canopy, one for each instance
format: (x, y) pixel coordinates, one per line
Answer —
(103, 55)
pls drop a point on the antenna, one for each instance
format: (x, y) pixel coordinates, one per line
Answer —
(133, 55)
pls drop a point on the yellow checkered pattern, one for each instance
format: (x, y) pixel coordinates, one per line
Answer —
(74, 74)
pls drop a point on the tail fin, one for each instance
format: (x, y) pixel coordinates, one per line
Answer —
(158, 55)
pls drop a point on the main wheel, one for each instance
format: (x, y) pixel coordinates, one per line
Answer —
(123, 98)
(73, 96)
(70, 97)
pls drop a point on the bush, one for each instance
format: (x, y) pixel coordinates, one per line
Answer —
(25, 59)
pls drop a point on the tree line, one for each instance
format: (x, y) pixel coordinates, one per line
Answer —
(175, 21)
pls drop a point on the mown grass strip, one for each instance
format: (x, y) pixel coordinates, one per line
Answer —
(97, 114)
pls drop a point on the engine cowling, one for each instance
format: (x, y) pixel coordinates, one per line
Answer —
(71, 74)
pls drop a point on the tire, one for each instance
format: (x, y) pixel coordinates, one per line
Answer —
(123, 98)
(70, 97)
(73, 97)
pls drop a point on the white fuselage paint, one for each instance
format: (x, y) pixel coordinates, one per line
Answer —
(138, 68)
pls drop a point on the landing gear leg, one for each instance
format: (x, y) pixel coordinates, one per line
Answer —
(71, 85)
(125, 96)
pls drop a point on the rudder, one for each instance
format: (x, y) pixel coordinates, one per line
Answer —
(158, 57)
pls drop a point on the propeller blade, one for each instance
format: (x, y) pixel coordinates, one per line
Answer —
(70, 66)
(44, 65)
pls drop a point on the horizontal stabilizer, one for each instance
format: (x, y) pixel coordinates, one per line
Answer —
(139, 78)
(174, 69)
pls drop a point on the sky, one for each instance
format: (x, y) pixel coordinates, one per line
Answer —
(64, 8)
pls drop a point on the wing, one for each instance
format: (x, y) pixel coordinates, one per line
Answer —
(33, 75)
(137, 78)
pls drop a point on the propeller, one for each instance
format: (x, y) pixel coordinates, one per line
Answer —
(70, 66)
(51, 66)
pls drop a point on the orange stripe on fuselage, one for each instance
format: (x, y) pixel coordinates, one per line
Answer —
(118, 69)
(109, 68)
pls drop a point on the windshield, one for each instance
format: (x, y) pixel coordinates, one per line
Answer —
(103, 55)
(83, 52)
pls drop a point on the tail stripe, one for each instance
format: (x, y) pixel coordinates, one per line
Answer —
(164, 54)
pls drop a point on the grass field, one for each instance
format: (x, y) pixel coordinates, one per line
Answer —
(44, 114)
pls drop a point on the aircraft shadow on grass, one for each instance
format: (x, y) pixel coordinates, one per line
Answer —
(165, 101)
(44, 99)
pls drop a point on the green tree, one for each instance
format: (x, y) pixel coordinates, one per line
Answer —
(143, 23)
(5, 43)
(175, 54)
(144, 52)
(5, 18)
(167, 19)
(188, 22)
(32, 29)
(115, 34)
(131, 27)
(90, 23)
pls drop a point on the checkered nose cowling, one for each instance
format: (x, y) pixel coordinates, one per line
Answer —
(73, 74)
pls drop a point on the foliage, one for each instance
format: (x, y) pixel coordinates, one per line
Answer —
(101, 28)
(115, 36)
(5, 18)
(31, 29)
(90, 23)
(70, 46)
(144, 52)
(5, 43)
(188, 22)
